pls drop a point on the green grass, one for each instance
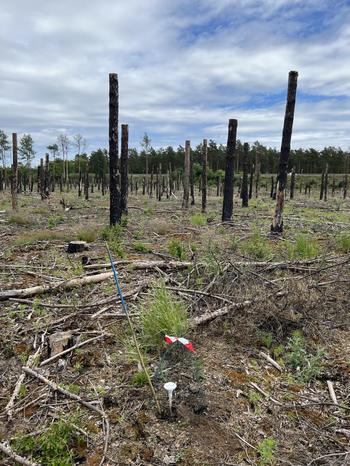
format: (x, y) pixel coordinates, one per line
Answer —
(266, 449)
(163, 314)
(308, 366)
(304, 247)
(257, 246)
(139, 379)
(54, 447)
(138, 246)
(176, 249)
(88, 234)
(113, 236)
(198, 220)
(343, 243)
(19, 219)
(42, 235)
(54, 220)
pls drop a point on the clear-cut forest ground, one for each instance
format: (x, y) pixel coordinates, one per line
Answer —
(232, 406)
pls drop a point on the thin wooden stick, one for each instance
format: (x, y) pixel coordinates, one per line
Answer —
(332, 392)
(7, 450)
(271, 361)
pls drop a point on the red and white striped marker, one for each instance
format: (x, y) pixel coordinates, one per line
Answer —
(187, 344)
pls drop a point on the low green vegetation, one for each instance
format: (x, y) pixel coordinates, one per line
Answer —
(266, 450)
(162, 314)
(257, 246)
(19, 219)
(138, 246)
(343, 243)
(54, 220)
(87, 234)
(304, 247)
(176, 249)
(198, 220)
(113, 236)
(42, 235)
(54, 447)
(139, 379)
(307, 366)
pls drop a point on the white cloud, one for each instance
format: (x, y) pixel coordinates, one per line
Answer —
(184, 68)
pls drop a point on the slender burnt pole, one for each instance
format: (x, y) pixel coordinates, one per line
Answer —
(227, 205)
(14, 178)
(325, 186)
(186, 177)
(124, 170)
(114, 193)
(244, 191)
(277, 222)
(292, 184)
(204, 177)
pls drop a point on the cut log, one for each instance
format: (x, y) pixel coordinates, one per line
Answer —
(98, 278)
(76, 246)
(208, 316)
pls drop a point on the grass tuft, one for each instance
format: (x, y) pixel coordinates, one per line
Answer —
(198, 220)
(303, 248)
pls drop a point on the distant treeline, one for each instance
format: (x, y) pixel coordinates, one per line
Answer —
(306, 161)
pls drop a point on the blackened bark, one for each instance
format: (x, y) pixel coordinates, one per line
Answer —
(191, 181)
(251, 181)
(204, 176)
(227, 205)
(322, 186)
(244, 191)
(292, 184)
(47, 176)
(124, 170)
(186, 176)
(114, 193)
(257, 172)
(325, 186)
(272, 186)
(277, 222)
(14, 177)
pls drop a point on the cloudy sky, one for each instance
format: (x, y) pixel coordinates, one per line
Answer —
(185, 67)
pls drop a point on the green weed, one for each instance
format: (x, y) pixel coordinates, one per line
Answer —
(19, 219)
(138, 246)
(198, 220)
(88, 234)
(266, 449)
(304, 247)
(176, 249)
(308, 365)
(257, 246)
(139, 379)
(160, 315)
(343, 243)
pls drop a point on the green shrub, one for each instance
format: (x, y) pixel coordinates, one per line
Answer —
(54, 447)
(19, 219)
(138, 246)
(266, 449)
(303, 248)
(54, 220)
(162, 314)
(308, 366)
(176, 249)
(43, 235)
(139, 379)
(257, 246)
(87, 234)
(343, 243)
(113, 236)
(198, 220)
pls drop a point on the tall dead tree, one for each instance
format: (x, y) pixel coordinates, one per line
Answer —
(346, 170)
(325, 192)
(227, 205)
(114, 193)
(277, 222)
(47, 176)
(191, 181)
(292, 184)
(244, 191)
(257, 171)
(124, 170)
(204, 177)
(322, 186)
(186, 176)
(14, 177)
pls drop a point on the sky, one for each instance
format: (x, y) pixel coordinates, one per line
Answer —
(185, 67)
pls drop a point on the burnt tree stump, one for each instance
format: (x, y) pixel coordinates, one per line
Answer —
(227, 205)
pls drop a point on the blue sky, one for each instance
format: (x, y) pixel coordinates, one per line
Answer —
(185, 67)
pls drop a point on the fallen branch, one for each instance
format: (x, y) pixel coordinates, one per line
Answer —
(140, 265)
(332, 392)
(271, 361)
(20, 380)
(208, 316)
(68, 350)
(7, 450)
(78, 282)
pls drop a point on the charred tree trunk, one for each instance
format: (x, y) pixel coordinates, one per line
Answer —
(204, 177)
(86, 182)
(272, 186)
(114, 193)
(333, 186)
(14, 177)
(277, 222)
(47, 176)
(186, 176)
(346, 169)
(191, 181)
(244, 191)
(325, 187)
(257, 172)
(251, 180)
(227, 205)
(124, 170)
(322, 186)
(292, 184)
